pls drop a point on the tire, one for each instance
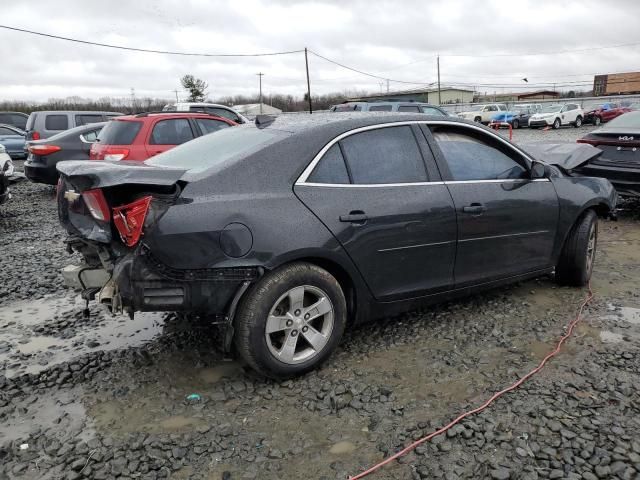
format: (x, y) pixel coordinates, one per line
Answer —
(578, 122)
(272, 297)
(515, 124)
(597, 121)
(478, 119)
(556, 124)
(578, 254)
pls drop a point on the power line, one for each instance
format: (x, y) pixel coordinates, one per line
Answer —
(145, 50)
(533, 54)
(365, 73)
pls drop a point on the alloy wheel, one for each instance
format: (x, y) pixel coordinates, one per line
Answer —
(591, 247)
(299, 324)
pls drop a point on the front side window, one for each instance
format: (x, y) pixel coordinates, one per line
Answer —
(56, 122)
(475, 157)
(384, 156)
(209, 125)
(331, 168)
(409, 108)
(432, 111)
(171, 132)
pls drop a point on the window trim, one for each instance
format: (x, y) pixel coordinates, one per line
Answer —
(302, 178)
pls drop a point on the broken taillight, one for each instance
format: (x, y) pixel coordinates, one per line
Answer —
(129, 220)
(114, 153)
(96, 203)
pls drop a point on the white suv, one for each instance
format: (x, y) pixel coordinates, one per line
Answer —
(211, 108)
(557, 116)
(483, 113)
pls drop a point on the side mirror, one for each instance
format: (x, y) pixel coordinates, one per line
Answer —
(538, 170)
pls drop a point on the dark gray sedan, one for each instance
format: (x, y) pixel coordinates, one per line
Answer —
(72, 144)
(291, 230)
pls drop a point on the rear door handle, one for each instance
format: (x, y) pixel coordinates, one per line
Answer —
(355, 216)
(474, 209)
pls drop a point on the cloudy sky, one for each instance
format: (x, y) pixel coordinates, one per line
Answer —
(392, 39)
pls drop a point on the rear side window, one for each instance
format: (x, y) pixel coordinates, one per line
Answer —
(383, 156)
(223, 112)
(85, 119)
(331, 168)
(471, 158)
(56, 122)
(209, 125)
(175, 131)
(119, 132)
(380, 108)
(91, 135)
(409, 108)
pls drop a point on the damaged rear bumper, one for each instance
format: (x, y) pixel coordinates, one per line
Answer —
(140, 283)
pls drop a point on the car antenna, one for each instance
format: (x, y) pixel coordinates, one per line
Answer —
(264, 120)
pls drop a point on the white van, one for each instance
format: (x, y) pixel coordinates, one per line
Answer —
(211, 108)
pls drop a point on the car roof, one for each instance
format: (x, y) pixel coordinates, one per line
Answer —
(77, 112)
(70, 132)
(15, 113)
(12, 127)
(139, 116)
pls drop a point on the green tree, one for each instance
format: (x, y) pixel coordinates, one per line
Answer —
(197, 88)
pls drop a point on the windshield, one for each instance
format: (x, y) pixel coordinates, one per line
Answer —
(217, 148)
(628, 120)
(551, 108)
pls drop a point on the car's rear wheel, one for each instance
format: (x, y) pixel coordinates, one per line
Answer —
(579, 252)
(597, 121)
(515, 124)
(578, 122)
(291, 320)
(556, 124)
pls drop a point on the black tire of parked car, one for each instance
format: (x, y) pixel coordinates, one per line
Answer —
(251, 318)
(556, 124)
(478, 119)
(578, 122)
(515, 124)
(578, 254)
(597, 121)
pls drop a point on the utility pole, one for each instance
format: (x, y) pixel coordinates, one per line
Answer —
(176, 92)
(260, 74)
(133, 98)
(306, 63)
(387, 85)
(439, 92)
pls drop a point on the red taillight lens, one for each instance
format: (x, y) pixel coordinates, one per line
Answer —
(97, 204)
(112, 153)
(129, 220)
(35, 136)
(44, 149)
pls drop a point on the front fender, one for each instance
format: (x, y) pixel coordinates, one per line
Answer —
(577, 194)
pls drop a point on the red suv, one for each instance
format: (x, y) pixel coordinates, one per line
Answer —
(138, 137)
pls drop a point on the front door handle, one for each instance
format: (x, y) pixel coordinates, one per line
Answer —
(355, 216)
(474, 209)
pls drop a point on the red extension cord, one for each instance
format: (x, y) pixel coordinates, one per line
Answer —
(496, 395)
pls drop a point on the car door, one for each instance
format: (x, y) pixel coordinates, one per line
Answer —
(396, 221)
(167, 133)
(506, 221)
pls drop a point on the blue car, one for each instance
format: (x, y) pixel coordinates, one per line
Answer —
(518, 116)
(13, 140)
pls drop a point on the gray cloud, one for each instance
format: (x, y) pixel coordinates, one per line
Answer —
(398, 39)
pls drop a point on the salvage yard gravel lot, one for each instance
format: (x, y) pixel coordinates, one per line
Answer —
(108, 397)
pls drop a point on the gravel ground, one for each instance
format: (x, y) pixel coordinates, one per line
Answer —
(107, 397)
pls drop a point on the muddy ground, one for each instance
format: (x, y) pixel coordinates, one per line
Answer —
(107, 397)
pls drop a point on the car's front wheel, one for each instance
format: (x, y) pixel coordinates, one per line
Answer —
(579, 252)
(291, 320)
(515, 124)
(478, 119)
(556, 124)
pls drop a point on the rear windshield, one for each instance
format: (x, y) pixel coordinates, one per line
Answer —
(628, 120)
(119, 132)
(214, 150)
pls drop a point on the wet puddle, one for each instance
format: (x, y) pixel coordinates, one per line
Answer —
(23, 349)
(629, 314)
